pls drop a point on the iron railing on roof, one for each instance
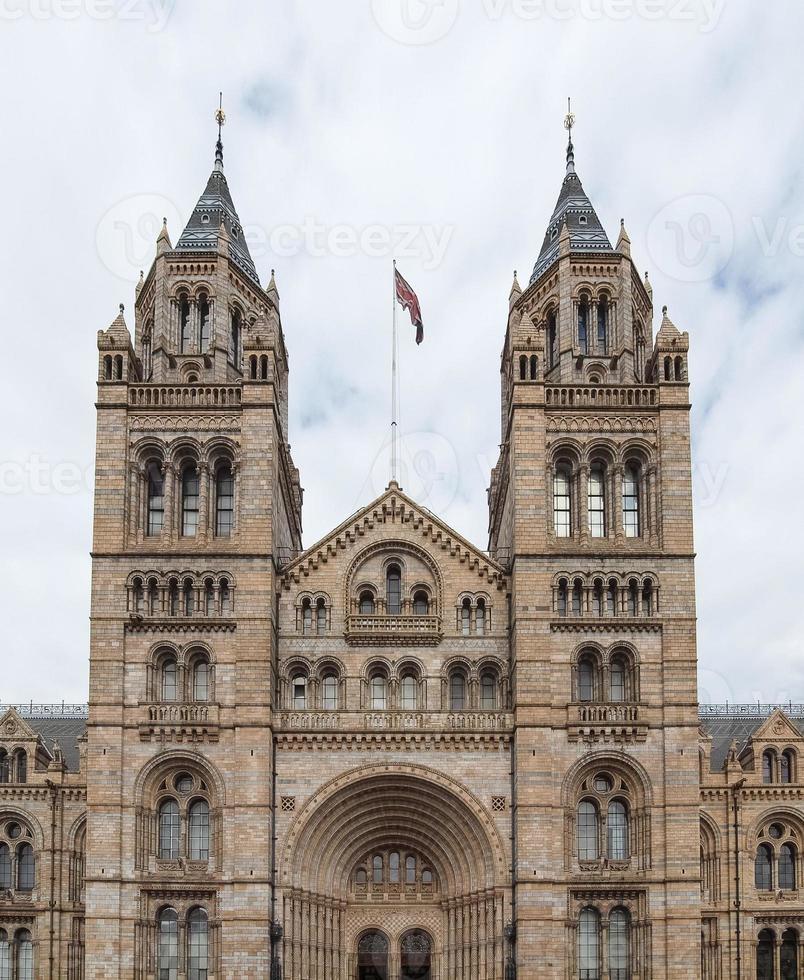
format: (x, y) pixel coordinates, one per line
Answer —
(32, 709)
(752, 710)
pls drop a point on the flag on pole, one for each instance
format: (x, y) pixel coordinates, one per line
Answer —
(409, 301)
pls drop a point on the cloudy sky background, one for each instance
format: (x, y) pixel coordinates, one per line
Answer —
(689, 125)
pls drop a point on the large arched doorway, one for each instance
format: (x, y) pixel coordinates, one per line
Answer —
(416, 956)
(372, 956)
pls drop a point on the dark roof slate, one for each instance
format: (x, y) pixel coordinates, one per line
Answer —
(737, 726)
(66, 731)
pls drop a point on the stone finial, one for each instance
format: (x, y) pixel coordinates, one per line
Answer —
(140, 283)
(515, 293)
(624, 242)
(648, 287)
(163, 242)
(271, 289)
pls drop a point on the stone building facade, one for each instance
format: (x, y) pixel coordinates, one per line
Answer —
(392, 755)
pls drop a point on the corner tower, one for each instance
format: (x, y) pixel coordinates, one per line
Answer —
(591, 508)
(196, 497)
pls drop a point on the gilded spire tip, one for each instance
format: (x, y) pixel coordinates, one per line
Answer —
(220, 118)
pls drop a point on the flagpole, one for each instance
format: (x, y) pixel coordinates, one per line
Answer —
(394, 408)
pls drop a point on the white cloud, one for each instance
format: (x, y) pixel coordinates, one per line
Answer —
(331, 118)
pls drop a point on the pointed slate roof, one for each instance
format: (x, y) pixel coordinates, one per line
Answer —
(215, 206)
(573, 207)
(740, 724)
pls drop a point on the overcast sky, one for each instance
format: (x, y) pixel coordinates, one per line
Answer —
(434, 132)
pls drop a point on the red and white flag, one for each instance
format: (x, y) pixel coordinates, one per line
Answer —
(409, 301)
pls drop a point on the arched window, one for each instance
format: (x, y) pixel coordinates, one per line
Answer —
(393, 590)
(589, 945)
(611, 597)
(563, 597)
(480, 617)
(765, 955)
(209, 597)
(170, 673)
(668, 369)
(173, 597)
(788, 960)
(617, 830)
(583, 325)
(201, 677)
(763, 868)
(393, 867)
(138, 597)
(466, 617)
(20, 766)
(577, 597)
(631, 515)
(588, 831)
(552, 338)
(329, 692)
(203, 317)
(379, 692)
(786, 767)
(184, 325)
(619, 945)
(197, 945)
(647, 599)
(361, 878)
(523, 367)
(596, 499)
(602, 324)
(189, 598)
(457, 691)
(408, 692)
(587, 669)
(224, 502)
(679, 366)
(26, 868)
(534, 367)
(6, 881)
(488, 690)
(190, 489)
(367, 606)
(169, 830)
(5, 767)
(299, 692)
(562, 502)
(167, 952)
(226, 597)
(307, 616)
(421, 603)
(5, 956)
(787, 867)
(24, 955)
(427, 877)
(198, 831)
(234, 339)
(768, 766)
(156, 500)
(618, 678)
(378, 874)
(597, 598)
(320, 617)
(633, 597)
(410, 870)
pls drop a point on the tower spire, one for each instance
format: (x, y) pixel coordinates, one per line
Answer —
(569, 122)
(220, 118)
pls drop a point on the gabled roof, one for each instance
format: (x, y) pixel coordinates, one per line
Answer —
(574, 209)
(215, 206)
(743, 724)
(48, 728)
(394, 506)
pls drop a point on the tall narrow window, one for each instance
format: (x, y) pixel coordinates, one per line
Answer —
(647, 599)
(611, 598)
(408, 692)
(189, 501)
(5, 767)
(786, 767)
(393, 867)
(768, 760)
(299, 692)
(602, 325)
(633, 598)
(198, 831)
(201, 673)
(5, 867)
(379, 693)
(588, 831)
(763, 868)
(209, 597)
(466, 617)
(765, 955)
(596, 498)
(156, 500)
(631, 515)
(619, 953)
(24, 956)
(184, 326)
(393, 591)
(26, 868)
(457, 691)
(203, 318)
(787, 867)
(563, 597)
(617, 829)
(421, 604)
(234, 339)
(5, 955)
(410, 870)
(320, 617)
(173, 597)
(589, 945)
(189, 598)
(366, 604)
(597, 598)
(307, 616)
(552, 338)
(618, 679)
(329, 690)
(21, 766)
(224, 502)
(170, 673)
(226, 597)
(169, 830)
(197, 945)
(586, 679)
(583, 325)
(488, 691)
(167, 954)
(377, 869)
(562, 501)
(788, 958)
(577, 598)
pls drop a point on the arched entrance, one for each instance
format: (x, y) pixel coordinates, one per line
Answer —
(372, 956)
(416, 956)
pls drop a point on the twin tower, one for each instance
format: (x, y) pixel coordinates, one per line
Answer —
(392, 754)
